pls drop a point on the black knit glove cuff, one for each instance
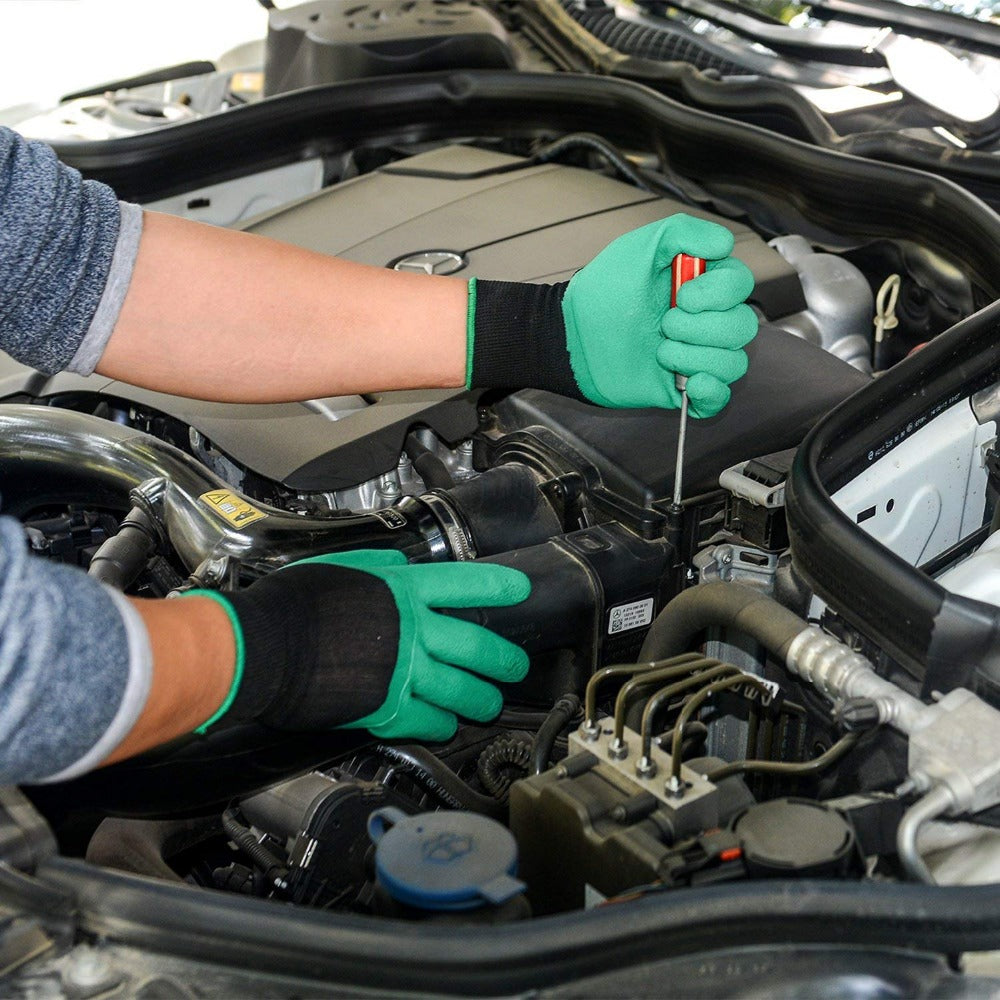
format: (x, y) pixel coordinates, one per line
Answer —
(320, 644)
(518, 338)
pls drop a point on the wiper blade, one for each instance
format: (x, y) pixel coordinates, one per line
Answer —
(831, 43)
(979, 36)
(925, 69)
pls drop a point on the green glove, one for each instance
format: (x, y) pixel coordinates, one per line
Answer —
(609, 336)
(432, 683)
(351, 640)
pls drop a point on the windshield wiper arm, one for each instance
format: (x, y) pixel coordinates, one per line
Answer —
(940, 25)
(832, 43)
(924, 69)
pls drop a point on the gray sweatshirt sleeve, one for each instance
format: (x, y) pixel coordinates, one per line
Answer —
(75, 666)
(75, 663)
(67, 250)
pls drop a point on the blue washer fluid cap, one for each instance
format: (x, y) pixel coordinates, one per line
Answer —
(444, 860)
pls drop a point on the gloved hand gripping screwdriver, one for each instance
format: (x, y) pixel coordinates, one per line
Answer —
(683, 268)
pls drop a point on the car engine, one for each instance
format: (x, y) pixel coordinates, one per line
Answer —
(706, 701)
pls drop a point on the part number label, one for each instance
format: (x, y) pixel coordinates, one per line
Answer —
(232, 508)
(624, 617)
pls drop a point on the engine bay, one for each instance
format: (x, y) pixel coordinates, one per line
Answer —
(703, 705)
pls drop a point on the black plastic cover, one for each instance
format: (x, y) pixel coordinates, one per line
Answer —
(327, 41)
(796, 837)
(789, 386)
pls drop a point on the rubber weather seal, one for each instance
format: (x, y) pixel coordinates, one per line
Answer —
(943, 640)
(855, 198)
(523, 957)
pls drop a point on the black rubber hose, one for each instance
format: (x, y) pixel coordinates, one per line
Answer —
(274, 871)
(506, 759)
(594, 142)
(504, 509)
(437, 777)
(122, 557)
(731, 605)
(660, 185)
(558, 718)
(430, 468)
(142, 846)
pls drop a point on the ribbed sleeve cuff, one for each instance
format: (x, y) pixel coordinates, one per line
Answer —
(137, 687)
(517, 338)
(91, 348)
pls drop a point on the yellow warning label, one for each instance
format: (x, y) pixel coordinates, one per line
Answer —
(232, 507)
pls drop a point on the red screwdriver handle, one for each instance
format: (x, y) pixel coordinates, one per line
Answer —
(683, 268)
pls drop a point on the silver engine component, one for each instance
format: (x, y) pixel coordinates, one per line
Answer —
(134, 110)
(954, 753)
(841, 306)
(207, 521)
(402, 481)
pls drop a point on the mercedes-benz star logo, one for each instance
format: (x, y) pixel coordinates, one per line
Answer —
(431, 262)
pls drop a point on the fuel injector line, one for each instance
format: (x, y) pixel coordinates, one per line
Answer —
(664, 670)
(664, 696)
(635, 693)
(688, 711)
(791, 769)
(935, 803)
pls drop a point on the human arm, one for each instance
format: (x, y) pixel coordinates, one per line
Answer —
(72, 276)
(91, 677)
(224, 301)
(187, 308)
(192, 656)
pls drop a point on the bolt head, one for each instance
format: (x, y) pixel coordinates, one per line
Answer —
(645, 768)
(674, 787)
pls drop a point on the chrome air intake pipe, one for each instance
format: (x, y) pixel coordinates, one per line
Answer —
(54, 456)
(50, 455)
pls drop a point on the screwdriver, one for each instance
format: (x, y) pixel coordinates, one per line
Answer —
(683, 268)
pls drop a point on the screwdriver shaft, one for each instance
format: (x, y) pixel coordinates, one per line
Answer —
(683, 268)
(681, 440)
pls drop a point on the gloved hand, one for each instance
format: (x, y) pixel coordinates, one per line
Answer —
(609, 335)
(351, 640)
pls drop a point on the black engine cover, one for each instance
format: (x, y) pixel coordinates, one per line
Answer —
(789, 386)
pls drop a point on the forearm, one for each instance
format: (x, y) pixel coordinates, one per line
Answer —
(193, 658)
(202, 311)
(225, 315)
